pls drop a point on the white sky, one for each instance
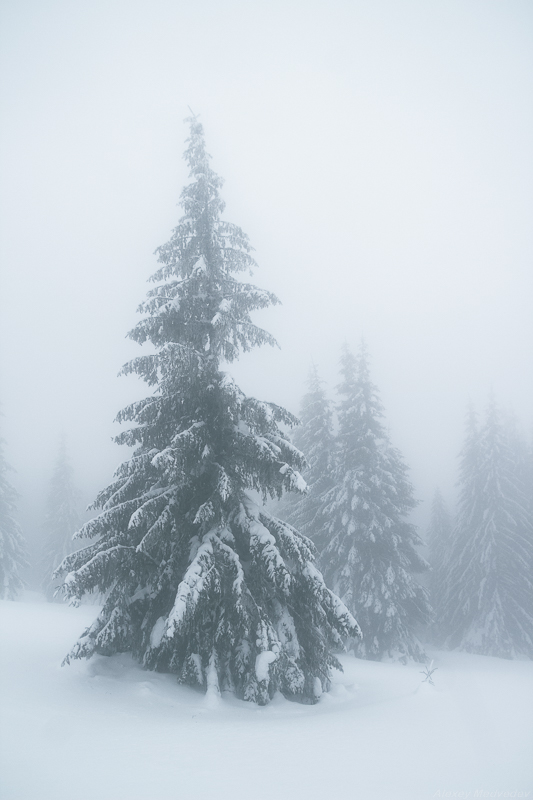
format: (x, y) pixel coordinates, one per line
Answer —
(378, 154)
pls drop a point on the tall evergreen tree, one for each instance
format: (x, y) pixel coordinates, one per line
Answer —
(371, 554)
(489, 602)
(201, 580)
(439, 536)
(314, 437)
(61, 521)
(469, 517)
(13, 556)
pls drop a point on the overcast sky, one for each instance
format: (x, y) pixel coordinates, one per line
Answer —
(378, 154)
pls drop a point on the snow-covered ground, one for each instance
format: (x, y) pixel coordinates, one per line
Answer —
(106, 730)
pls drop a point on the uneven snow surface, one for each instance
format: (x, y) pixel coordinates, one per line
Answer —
(105, 730)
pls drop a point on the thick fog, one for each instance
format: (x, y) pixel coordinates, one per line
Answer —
(378, 154)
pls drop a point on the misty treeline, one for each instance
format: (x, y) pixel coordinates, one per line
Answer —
(480, 570)
(62, 517)
(217, 561)
(13, 555)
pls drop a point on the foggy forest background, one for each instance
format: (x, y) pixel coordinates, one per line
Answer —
(378, 156)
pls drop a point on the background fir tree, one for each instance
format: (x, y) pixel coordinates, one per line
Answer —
(439, 536)
(314, 437)
(201, 580)
(521, 454)
(489, 600)
(528, 482)
(13, 556)
(371, 554)
(469, 516)
(61, 521)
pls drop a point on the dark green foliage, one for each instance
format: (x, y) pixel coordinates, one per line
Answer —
(200, 580)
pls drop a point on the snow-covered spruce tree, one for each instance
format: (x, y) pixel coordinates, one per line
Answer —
(489, 599)
(61, 521)
(469, 516)
(314, 437)
(201, 580)
(439, 536)
(12, 547)
(371, 554)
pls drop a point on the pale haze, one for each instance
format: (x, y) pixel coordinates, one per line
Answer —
(379, 156)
